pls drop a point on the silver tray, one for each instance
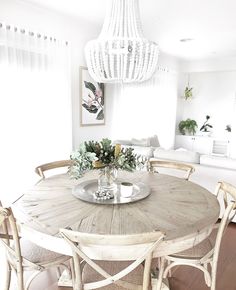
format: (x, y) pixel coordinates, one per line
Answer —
(85, 191)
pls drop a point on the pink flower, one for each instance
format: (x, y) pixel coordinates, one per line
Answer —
(98, 94)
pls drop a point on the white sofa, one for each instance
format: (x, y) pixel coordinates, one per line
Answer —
(144, 147)
(209, 169)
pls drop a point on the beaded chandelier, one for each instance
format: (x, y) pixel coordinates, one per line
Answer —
(121, 53)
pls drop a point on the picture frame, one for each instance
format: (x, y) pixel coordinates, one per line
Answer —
(92, 100)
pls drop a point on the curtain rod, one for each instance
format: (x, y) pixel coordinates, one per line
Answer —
(31, 33)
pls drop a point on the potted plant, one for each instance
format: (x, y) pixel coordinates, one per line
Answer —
(188, 126)
(206, 128)
(188, 93)
(228, 128)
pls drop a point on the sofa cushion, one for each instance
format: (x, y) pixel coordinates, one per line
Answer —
(142, 151)
(154, 141)
(218, 161)
(177, 155)
(122, 142)
(145, 142)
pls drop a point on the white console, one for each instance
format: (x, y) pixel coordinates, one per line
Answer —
(203, 144)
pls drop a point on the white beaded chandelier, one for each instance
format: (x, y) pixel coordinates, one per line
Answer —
(121, 53)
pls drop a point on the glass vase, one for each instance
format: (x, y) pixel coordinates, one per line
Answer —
(107, 178)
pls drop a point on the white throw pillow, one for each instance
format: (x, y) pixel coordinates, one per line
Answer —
(145, 142)
(122, 142)
(143, 151)
(154, 142)
(140, 150)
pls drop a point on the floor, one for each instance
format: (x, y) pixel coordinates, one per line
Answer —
(184, 278)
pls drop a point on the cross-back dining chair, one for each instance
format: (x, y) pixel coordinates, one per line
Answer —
(154, 166)
(78, 240)
(52, 165)
(204, 256)
(22, 255)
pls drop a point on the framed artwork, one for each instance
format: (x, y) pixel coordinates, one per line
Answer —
(91, 100)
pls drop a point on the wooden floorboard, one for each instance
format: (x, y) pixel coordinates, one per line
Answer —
(183, 278)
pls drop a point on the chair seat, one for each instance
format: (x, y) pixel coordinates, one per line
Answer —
(36, 254)
(135, 277)
(200, 250)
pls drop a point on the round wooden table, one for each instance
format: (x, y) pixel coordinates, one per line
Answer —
(184, 211)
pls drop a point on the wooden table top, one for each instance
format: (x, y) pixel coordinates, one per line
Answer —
(181, 209)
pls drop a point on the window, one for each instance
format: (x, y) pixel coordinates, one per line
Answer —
(35, 112)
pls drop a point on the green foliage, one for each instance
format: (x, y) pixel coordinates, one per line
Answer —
(126, 160)
(188, 126)
(83, 161)
(103, 151)
(188, 93)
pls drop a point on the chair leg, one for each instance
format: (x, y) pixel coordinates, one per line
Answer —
(72, 273)
(20, 280)
(19, 275)
(8, 277)
(161, 272)
(147, 273)
(206, 277)
(213, 275)
(170, 272)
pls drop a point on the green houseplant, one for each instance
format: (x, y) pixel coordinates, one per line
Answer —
(188, 126)
(188, 93)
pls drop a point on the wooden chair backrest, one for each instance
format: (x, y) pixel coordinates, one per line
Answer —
(52, 165)
(78, 239)
(226, 219)
(155, 164)
(9, 236)
(228, 190)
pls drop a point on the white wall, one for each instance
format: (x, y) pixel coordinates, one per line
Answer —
(224, 63)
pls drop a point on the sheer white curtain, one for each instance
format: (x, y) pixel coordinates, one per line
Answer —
(35, 112)
(141, 110)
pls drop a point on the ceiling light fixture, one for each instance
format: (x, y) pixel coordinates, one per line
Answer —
(121, 53)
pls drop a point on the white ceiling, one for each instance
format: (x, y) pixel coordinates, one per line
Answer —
(210, 23)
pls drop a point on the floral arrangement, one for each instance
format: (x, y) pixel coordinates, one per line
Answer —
(94, 154)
